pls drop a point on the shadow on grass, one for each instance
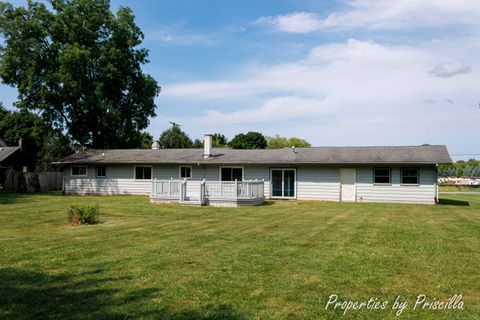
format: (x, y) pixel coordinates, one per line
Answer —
(30, 295)
(10, 197)
(450, 202)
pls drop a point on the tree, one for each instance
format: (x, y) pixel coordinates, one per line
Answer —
(219, 140)
(198, 144)
(146, 140)
(79, 65)
(174, 137)
(250, 140)
(41, 144)
(278, 142)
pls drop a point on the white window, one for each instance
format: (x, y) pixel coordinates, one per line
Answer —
(143, 173)
(231, 173)
(381, 176)
(79, 171)
(101, 172)
(409, 176)
(185, 172)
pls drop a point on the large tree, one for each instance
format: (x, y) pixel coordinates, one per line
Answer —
(174, 137)
(249, 140)
(79, 65)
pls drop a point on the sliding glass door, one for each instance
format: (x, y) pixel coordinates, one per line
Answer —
(283, 183)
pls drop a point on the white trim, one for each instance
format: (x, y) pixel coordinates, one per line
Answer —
(96, 172)
(233, 167)
(146, 166)
(295, 171)
(79, 175)
(180, 171)
(410, 184)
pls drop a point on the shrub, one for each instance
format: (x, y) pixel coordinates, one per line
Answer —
(83, 214)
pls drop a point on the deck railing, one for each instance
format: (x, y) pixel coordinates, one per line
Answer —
(227, 190)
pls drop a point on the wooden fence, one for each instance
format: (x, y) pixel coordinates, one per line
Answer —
(17, 181)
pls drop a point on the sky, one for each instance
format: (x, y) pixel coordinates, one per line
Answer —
(337, 73)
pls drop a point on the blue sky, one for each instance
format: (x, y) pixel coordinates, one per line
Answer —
(354, 72)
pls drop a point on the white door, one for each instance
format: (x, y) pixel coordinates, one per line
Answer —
(348, 187)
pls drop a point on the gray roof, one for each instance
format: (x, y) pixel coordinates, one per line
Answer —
(436, 154)
(6, 152)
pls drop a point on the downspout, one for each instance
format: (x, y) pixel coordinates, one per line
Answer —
(436, 184)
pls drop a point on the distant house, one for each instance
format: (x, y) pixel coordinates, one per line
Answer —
(10, 160)
(246, 177)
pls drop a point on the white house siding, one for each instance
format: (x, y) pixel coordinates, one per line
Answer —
(318, 183)
(425, 192)
(313, 182)
(119, 180)
(252, 172)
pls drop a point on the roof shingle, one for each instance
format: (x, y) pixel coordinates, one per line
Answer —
(433, 154)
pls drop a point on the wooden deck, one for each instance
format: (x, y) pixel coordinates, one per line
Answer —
(213, 193)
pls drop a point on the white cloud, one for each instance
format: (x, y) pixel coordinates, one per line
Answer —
(352, 92)
(449, 69)
(180, 38)
(296, 22)
(384, 14)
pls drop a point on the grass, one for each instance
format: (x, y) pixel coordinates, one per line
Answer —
(450, 188)
(278, 261)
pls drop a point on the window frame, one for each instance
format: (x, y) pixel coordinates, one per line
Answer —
(142, 166)
(231, 167)
(79, 175)
(295, 185)
(96, 172)
(389, 183)
(409, 184)
(180, 171)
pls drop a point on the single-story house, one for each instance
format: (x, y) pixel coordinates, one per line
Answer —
(223, 176)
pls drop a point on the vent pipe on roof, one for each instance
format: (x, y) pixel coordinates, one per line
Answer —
(207, 145)
(155, 145)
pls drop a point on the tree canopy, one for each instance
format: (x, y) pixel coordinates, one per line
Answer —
(278, 142)
(41, 144)
(79, 65)
(460, 168)
(174, 137)
(249, 140)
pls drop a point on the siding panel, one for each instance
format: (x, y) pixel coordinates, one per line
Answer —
(422, 193)
(322, 183)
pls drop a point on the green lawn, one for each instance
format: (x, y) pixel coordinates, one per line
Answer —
(450, 188)
(278, 261)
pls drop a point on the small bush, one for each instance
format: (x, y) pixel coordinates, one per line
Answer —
(83, 214)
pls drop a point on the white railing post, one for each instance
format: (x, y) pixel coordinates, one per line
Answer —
(202, 191)
(154, 187)
(236, 189)
(170, 187)
(221, 189)
(249, 188)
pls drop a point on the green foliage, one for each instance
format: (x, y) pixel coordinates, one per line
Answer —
(41, 144)
(198, 144)
(219, 140)
(174, 137)
(79, 65)
(250, 140)
(461, 168)
(146, 140)
(278, 142)
(83, 214)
